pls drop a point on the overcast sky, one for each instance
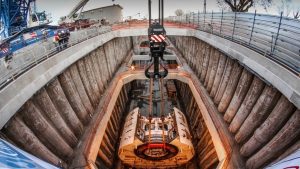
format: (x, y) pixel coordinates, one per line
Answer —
(59, 8)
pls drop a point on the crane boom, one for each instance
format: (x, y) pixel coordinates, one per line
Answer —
(80, 5)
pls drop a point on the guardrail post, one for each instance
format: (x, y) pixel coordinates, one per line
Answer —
(193, 18)
(204, 22)
(211, 22)
(233, 26)
(279, 26)
(190, 17)
(198, 23)
(252, 28)
(186, 18)
(221, 23)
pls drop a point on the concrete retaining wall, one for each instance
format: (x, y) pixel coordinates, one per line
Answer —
(263, 121)
(51, 123)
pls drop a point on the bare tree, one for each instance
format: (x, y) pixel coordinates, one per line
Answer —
(296, 14)
(284, 6)
(179, 12)
(242, 5)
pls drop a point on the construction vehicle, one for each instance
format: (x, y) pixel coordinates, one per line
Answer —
(18, 15)
(21, 25)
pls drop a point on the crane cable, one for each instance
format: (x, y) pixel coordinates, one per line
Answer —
(150, 108)
(162, 108)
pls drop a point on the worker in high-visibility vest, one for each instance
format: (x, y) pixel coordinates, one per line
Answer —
(62, 38)
(56, 42)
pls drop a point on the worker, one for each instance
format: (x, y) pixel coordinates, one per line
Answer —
(61, 39)
(45, 34)
(55, 41)
(6, 52)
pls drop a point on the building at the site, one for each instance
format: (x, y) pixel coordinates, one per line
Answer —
(111, 14)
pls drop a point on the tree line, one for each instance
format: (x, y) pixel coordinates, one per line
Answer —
(287, 7)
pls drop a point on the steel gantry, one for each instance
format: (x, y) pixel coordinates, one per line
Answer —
(13, 16)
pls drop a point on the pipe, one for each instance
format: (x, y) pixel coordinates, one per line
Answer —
(224, 81)
(61, 103)
(91, 78)
(162, 12)
(86, 83)
(96, 67)
(206, 54)
(73, 97)
(247, 105)
(239, 95)
(213, 72)
(43, 100)
(210, 63)
(80, 89)
(218, 76)
(24, 137)
(149, 11)
(159, 12)
(262, 108)
(34, 119)
(230, 88)
(282, 139)
(268, 129)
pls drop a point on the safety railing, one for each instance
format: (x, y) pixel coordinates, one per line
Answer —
(275, 37)
(35, 57)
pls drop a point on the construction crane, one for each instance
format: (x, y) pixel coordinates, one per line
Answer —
(71, 20)
(157, 37)
(17, 15)
(22, 25)
(13, 16)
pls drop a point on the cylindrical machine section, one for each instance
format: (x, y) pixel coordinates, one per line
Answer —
(280, 141)
(34, 119)
(224, 81)
(230, 88)
(262, 108)
(239, 95)
(43, 100)
(271, 125)
(253, 94)
(72, 95)
(17, 131)
(80, 89)
(218, 76)
(62, 104)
